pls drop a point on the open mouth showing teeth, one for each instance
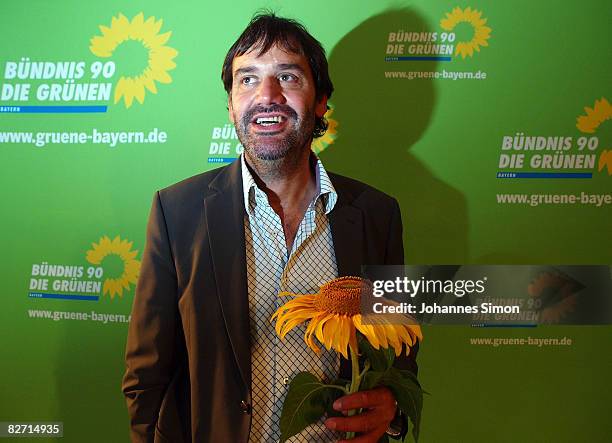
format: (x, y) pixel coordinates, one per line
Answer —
(268, 121)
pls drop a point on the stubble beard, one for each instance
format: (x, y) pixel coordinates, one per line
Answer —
(281, 156)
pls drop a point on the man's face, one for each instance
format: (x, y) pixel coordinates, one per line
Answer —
(272, 103)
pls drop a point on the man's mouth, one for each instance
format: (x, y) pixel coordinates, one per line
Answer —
(270, 122)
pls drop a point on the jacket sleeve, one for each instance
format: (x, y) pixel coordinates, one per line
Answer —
(153, 326)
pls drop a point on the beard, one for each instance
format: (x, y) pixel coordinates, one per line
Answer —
(272, 148)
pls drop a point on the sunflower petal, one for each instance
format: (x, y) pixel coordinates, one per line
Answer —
(290, 324)
(379, 330)
(367, 331)
(415, 331)
(404, 335)
(308, 336)
(329, 330)
(342, 335)
(393, 338)
(318, 327)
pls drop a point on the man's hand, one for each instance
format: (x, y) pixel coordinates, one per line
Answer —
(379, 408)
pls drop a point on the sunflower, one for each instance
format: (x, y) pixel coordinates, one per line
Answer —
(131, 266)
(321, 143)
(474, 18)
(160, 55)
(595, 116)
(334, 317)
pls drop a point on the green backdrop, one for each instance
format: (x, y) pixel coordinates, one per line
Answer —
(431, 99)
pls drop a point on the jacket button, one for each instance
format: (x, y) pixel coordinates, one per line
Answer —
(246, 408)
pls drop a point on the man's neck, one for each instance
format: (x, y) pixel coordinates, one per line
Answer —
(289, 183)
(289, 191)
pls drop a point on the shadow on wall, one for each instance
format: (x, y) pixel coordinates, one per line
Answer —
(379, 121)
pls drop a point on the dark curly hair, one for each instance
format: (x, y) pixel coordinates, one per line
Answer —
(266, 30)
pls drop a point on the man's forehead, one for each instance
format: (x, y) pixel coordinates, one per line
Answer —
(274, 56)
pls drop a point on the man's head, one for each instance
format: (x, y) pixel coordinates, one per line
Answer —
(277, 81)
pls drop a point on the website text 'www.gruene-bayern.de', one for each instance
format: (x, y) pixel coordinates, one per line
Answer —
(583, 198)
(109, 138)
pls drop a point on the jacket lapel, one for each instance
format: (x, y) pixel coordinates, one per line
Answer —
(347, 233)
(224, 215)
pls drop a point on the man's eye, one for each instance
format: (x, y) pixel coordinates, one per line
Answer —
(287, 77)
(247, 80)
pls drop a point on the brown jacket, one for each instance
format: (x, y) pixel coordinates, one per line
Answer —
(188, 356)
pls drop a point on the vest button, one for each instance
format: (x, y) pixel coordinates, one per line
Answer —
(246, 408)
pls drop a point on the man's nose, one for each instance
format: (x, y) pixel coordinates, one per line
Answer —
(270, 92)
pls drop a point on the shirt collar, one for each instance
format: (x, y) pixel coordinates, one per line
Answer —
(325, 189)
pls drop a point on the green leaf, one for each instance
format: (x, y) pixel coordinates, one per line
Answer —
(305, 403)
(333, 394)
(380, 359)
(408, 394)
(371, 379)
(403, 383)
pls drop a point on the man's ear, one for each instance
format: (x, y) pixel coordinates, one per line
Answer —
(321, 107)
(230, 108)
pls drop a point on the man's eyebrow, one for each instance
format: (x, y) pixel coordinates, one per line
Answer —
(289, 67)
(280, 67)
(245, 70)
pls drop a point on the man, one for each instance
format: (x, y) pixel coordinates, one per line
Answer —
(203, 362)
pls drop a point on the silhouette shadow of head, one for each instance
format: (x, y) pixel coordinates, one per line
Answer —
(379, 120)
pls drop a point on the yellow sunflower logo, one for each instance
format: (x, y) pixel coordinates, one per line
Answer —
(122, 249)
(553, 307)
(160, 55)
(482, 33)
(594, 116)
(590, 121)
(320, 144)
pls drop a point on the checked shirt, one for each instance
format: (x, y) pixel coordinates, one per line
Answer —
(271, 268)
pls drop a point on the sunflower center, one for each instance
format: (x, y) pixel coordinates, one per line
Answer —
(131, 58)
(113, 266)
(342, 295)
(464, 32)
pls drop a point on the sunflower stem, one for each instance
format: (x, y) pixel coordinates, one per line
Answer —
(355, 374)
(355, 379)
